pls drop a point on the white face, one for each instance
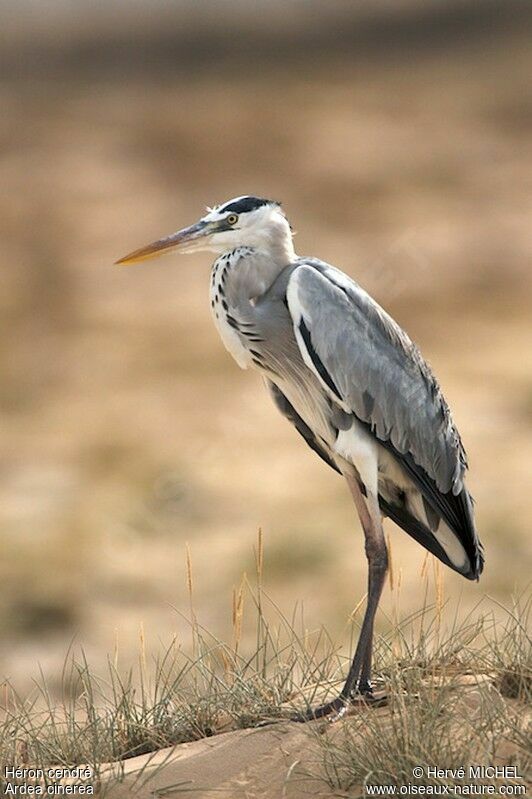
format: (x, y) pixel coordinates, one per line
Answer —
(242, 222)
(236, 228)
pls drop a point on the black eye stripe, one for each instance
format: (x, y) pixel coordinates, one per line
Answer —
(245, 204)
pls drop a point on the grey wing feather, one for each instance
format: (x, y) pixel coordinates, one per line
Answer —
(369, 366)
(376, 371)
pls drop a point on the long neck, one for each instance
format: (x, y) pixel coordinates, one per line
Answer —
(276, 244)
(250, 271)
(239, 278)
(255, 273)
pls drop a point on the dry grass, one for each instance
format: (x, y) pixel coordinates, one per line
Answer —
(191, 692)
(459, 694)
(464, 701)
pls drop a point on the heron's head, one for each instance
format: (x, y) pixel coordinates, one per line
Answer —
(245, 221)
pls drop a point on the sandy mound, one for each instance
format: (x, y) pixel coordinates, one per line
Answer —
(265, 762)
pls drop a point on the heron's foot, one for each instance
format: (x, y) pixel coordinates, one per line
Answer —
(268, 722)
(332, 711)
(371, 697)
(364, 696)
(365, 688)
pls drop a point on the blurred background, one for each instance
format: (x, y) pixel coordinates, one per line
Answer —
(397, 136)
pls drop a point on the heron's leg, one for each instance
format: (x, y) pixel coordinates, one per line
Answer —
(364, 684)
(377, 555)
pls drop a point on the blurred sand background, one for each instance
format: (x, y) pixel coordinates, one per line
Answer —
(397, 135)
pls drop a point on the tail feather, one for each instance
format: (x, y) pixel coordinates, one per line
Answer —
(444, 542)
(438, 520)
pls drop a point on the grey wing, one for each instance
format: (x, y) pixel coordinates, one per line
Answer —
(369, 367)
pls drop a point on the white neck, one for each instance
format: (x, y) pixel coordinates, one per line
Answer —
(275, 244)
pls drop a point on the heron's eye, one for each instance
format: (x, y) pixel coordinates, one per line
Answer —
(232, 219)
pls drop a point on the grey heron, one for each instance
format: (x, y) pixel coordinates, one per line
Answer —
(350, 381)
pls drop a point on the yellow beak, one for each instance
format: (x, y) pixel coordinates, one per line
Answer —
(180, 241)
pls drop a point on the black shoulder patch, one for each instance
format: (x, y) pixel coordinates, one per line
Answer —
(316, 360)
(245, 204)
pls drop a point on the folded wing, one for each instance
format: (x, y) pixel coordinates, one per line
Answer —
(370, 368)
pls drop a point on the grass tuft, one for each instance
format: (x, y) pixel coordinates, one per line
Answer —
(453, 702)
(459, 693)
